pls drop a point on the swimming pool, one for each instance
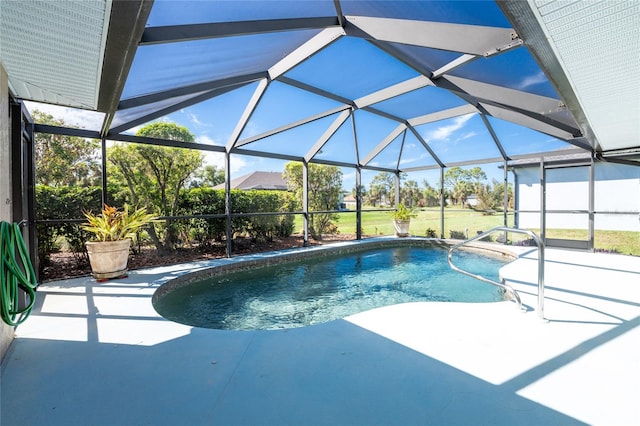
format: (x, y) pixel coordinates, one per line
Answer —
(320, 289)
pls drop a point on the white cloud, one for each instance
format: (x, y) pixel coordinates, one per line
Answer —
(348, 181)
(206, 140)
(195, 120)
(251, 129)
(134, 130)
(444, 132)
(214, 159)
(466, 136)
(532, 80)
(217, 158)
(349, 176)
(238, 164)
(73, 117)
(414, 159)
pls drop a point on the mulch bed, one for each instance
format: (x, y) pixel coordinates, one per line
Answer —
(64, 265)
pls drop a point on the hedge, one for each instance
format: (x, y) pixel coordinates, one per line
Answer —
(66, 203)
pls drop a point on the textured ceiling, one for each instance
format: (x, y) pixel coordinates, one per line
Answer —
(53, 51)
(598, 46)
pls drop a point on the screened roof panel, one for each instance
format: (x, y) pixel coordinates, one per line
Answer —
(368, 58)
(518, 140)
(297, 141)
(390, 156)
(414, 154)
(186, 12)
(162, 67)
(341, 146)
(458, 12)
(459, 139)
(371, 129)
(420, 102)
(351, 68)
(129, 115)
(515, 69)
(214, 120)
(430, 59)
(269, 113)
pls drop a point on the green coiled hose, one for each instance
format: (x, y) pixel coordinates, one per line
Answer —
(15, 275)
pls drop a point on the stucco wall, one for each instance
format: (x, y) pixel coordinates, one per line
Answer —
(617, 189)
(6, 332)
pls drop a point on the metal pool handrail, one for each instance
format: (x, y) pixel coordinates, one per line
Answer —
(503, 285)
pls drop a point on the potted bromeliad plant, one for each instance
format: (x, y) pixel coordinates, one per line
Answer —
(113, 230)
(401, 219)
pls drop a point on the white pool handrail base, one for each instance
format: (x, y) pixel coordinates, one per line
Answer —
(510, 290)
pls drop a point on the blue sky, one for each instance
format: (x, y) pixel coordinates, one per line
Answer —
(351, 68)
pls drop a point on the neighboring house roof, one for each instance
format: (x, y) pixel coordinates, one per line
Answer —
(258, 180)
(349, 199)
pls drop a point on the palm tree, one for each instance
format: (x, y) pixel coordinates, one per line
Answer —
(410, 193)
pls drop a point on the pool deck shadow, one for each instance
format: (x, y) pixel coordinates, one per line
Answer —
(99, 354)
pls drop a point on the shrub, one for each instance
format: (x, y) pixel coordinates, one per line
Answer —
(457, 235)
(203, 201)
(64, 203)
(198, 201)
(608, 251)
(528, 242)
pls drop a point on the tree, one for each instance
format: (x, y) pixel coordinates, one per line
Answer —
(65, 160)
(460, 183)
(410, 193)
(430, 195)
(325, 186)
(154, 175)
(364, 194)
(491, 196)
(381, 188)
(207, 176)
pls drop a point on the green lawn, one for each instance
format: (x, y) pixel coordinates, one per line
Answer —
(380, 223)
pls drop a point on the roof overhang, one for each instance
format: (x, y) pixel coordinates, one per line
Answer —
(74, 54)
(589, 52)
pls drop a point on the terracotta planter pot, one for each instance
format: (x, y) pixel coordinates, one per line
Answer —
(402, 227)
(108, 258)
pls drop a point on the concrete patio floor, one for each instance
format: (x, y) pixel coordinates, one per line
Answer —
(98, 354)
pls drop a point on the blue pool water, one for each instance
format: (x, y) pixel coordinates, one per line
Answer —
(323, 289)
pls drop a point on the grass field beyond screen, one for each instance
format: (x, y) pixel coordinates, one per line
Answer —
(471, 222)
